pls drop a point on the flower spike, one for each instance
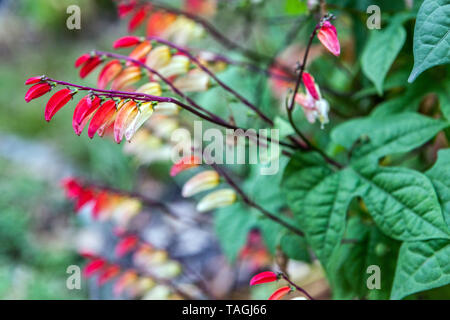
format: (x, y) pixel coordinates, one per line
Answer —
(106, 110)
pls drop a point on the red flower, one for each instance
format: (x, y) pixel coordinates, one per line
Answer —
(109, 273)
(101, 202)
(83, 112)
(93, 267)
(125, 245)
(37, 91)
(310, 85)
(280, 293)
(90, 65)
(328, 36)
(264, 277)
(57, 101)
(82, 59)
(184, 164)
(138, 18)
(85, 196)
(127, 41)
(125, 8)
(158, 22)
(33, 80)
(103, 114)
(72, 187)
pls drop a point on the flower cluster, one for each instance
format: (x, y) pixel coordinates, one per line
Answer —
(166, 23)
(101, 204)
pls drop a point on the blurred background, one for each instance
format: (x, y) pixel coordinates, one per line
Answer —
(40, 234)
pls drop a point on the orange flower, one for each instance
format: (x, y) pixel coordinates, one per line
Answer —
(127, 278)
(140, 51)
(127, 77)
(111, 70)
(280, 293)
(124, 116)
(159, 22)
(184, 164)
(105, 111)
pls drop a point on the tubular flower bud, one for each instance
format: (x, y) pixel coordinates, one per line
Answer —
(124, 113)
(152, 88)
(184, 164)
(107, 274)
(140, 51)
(101, 116)
(143, 113)
(328, 36)
(159, 22)
(93, 267)
(111, 70)
(217, 199)
(167, 108)
(203, 181)
(124, 9)
(127, 279)
(82, 59)
(127, 41)
(83, 112)
(183, 30)
(178, 65)
(264, 277)
(159, 57)
(89, 66)
(137, 19)
(126, 78)
(280, 293)
(194, 81)
(36, 91)
(57, 101)
(310, 85)
(125, 245)
(33, 80)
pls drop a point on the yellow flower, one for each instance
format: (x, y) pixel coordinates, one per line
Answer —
(217, 199)
(203, 181)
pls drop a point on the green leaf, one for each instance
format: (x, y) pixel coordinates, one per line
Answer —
(386, 135)
(431, 36)
(319, 199)
(271, 233)
(402, 202)
(296, 7)
(348, 273)
(380, 52)
(444, 100)
(295, 247)
(439, 175)
(422, 265)
(232, 225)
